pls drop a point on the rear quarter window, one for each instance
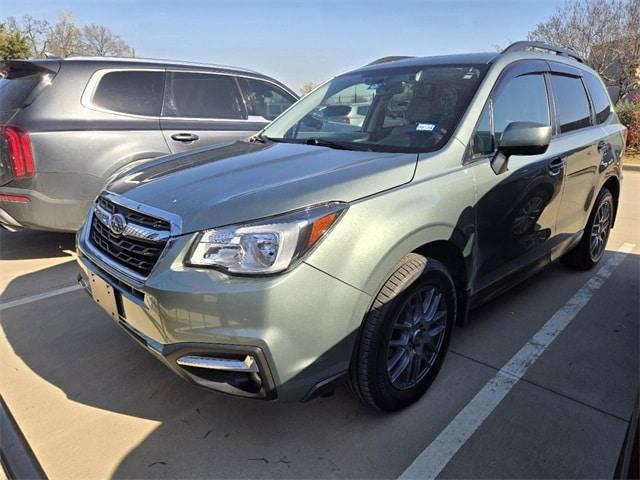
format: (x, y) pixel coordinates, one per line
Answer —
(264, 99)
(16, 84)
(572, 104)
(599, 97)
(132, 92)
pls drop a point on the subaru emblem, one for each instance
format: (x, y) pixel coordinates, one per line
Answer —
(117, 224)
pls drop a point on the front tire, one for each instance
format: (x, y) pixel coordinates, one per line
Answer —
(590, 250)
(405, 335)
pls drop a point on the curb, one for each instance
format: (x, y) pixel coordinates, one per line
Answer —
(17, 458)
(632, 167)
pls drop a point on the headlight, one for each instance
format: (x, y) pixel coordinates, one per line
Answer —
(267, 246)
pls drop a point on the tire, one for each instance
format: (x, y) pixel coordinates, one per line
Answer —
(582, 255)
(387, 342)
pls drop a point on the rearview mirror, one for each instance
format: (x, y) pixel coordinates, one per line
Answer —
(336, 110)
(520, 138)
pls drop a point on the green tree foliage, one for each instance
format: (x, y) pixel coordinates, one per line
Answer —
(12, 44)
(629, 114)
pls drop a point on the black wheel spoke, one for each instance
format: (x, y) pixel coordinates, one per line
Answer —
(401, 367)
(599, 231)
(417, 337)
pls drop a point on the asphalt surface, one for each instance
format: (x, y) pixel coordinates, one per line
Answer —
(93, 404)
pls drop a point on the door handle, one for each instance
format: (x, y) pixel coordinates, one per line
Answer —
(555, 165)
(185, 137)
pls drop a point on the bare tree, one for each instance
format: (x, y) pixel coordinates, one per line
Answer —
(100, 41)
(36, 32)
(65, 38)
(307, 88)
(604, 32)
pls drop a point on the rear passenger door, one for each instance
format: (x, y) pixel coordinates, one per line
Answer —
(203, 108)
(576, 141)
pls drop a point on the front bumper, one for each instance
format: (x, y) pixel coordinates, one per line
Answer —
(300, 327)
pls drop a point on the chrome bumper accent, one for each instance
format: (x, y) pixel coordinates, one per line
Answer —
(229, 365)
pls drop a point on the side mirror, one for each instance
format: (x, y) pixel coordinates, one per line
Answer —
(520, 138)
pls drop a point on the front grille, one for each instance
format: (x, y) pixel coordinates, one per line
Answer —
(136, 254)
(134, 217)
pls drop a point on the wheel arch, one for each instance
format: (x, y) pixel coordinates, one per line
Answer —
(613, 185)
(451, 256)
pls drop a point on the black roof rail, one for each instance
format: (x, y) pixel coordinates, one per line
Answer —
(392, 58)
(526, 45)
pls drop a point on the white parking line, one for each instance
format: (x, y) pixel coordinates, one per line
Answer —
(437, 455)
(40, 296)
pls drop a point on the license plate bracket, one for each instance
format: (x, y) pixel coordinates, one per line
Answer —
(104, 295)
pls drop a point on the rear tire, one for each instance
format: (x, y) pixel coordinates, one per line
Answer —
(405, 335)
(590, 250)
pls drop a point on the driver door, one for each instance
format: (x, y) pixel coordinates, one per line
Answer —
(516, 211)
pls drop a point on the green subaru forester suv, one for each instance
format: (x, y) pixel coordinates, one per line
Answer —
(322, 248)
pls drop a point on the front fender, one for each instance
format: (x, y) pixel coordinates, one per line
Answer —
(375, 233)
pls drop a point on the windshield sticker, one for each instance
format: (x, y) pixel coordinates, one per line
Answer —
(426, 127)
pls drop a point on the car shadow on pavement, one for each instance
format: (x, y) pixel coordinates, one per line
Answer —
(70, 343)
(62, 275)
(31, 244)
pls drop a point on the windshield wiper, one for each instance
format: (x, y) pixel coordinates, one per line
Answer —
(259, 137)
(323, 142)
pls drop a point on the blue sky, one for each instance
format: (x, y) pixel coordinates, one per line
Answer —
(299, 41)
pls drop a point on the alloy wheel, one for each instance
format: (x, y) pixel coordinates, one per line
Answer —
(600, 231)
(417, 337)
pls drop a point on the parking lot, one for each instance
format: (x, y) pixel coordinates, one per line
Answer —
(93, 404)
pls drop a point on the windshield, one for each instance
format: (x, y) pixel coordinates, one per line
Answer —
(401, 109)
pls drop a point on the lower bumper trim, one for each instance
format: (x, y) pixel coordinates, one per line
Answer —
(8, 222)
(225, 364)
(252, 378)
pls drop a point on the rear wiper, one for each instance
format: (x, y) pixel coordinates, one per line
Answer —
(323, 142)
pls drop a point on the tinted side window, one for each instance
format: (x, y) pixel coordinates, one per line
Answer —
(522, 99)
(201, 95)
(483, 138)
(134, 92)
(599, 97)
(265, 100)
(571, 101)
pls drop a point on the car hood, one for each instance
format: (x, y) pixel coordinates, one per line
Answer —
(244, 181)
